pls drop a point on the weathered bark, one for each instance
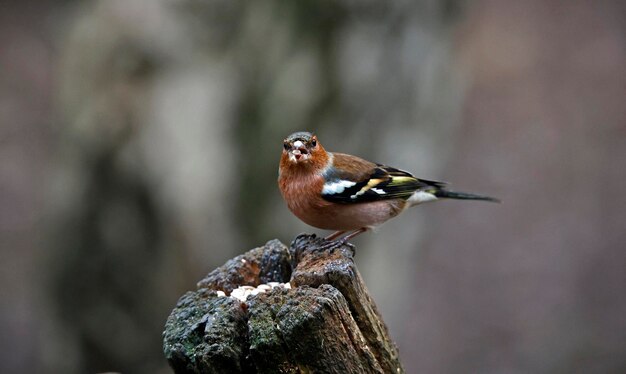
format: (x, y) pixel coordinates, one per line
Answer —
(326, 322)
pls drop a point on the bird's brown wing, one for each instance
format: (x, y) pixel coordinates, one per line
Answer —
(354, 180)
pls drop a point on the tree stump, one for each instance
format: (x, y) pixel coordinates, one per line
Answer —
(303, 309)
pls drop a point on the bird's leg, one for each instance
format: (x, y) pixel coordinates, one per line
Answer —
(334, 235)
(351, 235)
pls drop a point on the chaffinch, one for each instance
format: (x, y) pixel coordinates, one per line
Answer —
(336, 191)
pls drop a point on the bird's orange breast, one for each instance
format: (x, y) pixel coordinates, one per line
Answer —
(303, 197)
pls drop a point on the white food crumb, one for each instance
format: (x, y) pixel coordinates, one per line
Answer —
(241, 293)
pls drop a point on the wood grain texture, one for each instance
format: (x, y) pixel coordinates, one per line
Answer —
(325, 323)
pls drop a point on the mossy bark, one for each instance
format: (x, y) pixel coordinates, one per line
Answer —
(325, 323)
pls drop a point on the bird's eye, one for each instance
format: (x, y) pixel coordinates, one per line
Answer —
(313, 143)
(286, 146)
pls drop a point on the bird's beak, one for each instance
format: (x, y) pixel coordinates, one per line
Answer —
(298, 152)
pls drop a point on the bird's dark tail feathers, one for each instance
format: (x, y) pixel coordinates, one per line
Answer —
(441, 193)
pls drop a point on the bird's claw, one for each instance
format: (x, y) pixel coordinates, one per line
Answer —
(331, 245)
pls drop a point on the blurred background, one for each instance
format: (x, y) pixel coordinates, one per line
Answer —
(139, 147)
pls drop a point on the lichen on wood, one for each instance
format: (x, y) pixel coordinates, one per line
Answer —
(322, 321)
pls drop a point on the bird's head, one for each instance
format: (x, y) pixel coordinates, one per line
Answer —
(301, 148)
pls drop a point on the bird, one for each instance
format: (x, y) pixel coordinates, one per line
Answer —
(347, 194)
